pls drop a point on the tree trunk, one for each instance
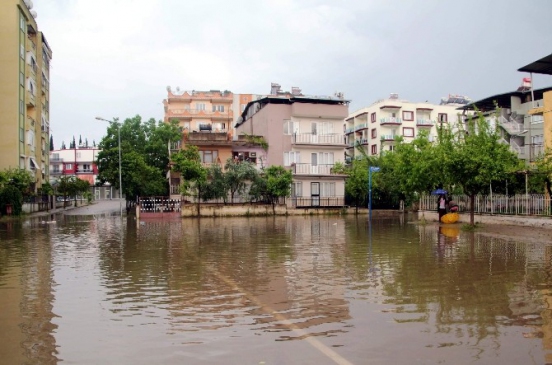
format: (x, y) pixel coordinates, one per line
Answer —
(472, 209)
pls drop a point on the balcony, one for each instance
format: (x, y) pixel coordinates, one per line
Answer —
(424, 123)
(199, 113)
(390, 121)
(310, 169)
(207, 138)
(361, 126)
(388, 137)
(318, 139)
(349, 130)
(56, 159)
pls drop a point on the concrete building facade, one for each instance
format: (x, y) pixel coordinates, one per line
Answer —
(24, 91)
(304, 134)
(375, 127)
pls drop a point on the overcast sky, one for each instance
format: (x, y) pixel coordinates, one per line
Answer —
(115, 58)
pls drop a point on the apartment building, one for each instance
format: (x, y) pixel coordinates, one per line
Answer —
(206, 119)
(80, 162)
(541, 109)
(374, 128)
(519, 118)
(305, 135)
(24, 86)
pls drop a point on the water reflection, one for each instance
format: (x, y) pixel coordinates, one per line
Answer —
(281, 290)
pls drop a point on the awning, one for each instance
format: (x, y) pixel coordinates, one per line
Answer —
(542, 66)
(34, 165)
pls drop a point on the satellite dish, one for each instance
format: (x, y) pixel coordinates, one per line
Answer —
(168, 88)
(34, 14)
(30, 5)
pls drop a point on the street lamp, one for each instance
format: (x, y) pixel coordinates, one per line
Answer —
(120, 176)
(370, 170)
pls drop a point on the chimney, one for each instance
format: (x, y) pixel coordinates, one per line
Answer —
(274, 88)
(295, 91)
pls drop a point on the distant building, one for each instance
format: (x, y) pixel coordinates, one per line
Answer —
(520, 121)
(81, 163)
(25, 90)
(375, 127)
(304, 134)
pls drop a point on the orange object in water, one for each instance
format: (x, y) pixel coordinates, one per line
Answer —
(450, 218)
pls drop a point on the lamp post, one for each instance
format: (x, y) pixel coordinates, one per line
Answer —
(370, 170)
(120, 176)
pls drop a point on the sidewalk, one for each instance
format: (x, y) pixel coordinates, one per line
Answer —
(96, 207)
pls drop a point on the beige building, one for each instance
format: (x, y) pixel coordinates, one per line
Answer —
(206, 119)
(374, 128)
(24, 90)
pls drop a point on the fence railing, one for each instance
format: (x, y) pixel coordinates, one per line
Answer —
(330, 202)
(521, 204)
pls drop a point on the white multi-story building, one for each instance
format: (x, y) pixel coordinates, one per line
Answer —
(80, 162)
(375, 127)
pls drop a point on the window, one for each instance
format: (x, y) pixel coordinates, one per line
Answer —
(408, 132)
(374, 149)
(78, 155)
(327, 189)
(218, 108)
(55, 156)
(21, 107)
(30, 138)
(22, 23)
(374, 133)
(21, 79)
(373, 117)
(86, 168)
(68, 166)
(200, 106)
(208, 156)
(537, 139)
(408, 115)
(296, 189)
(442, 117)
(291, 157)
(391, 148)
(291, 127)
(21, 135)
(321, 128)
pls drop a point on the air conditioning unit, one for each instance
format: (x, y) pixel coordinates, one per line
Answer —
(252, 154)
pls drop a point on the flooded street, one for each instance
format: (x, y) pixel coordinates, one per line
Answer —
(271, 290)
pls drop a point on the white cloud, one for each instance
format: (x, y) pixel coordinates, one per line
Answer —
(114, 58)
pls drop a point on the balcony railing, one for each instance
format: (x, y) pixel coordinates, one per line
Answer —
(310, 169)
(318, 139)
(424, 123)
(196, 112)
(349, 130)
(388, 137)
(391, 121)
(198, 137)
(361, 126)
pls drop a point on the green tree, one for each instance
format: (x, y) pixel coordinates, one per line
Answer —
(278, 184)
(193, 175)
(144, 156)
(477, 158)
(237, 175)
(51, 143)
(215, 187)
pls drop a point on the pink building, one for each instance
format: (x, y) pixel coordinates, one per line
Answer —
(305, 135)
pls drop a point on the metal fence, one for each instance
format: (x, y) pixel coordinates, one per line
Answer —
(530, 204)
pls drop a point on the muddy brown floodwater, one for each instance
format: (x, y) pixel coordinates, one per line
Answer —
(272, 290)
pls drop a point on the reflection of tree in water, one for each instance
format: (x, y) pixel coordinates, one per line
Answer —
(26, 277)
(467, 292)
